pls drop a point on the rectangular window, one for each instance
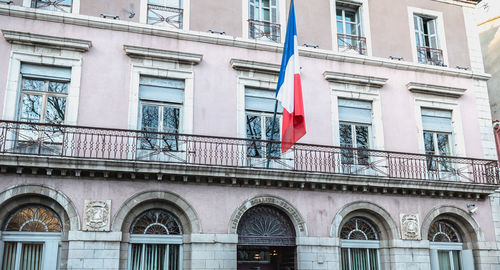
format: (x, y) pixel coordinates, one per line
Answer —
(160, 112)
(165, 13)
(259, 107)
(438, 129)
(355, 117)
(263, 23)
(349, 30)
(155, 256)
(30, 256)
(426, 37)
(53, 5)
(359, 258)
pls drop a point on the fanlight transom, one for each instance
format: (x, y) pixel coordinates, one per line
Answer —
(34, 219)
(442, 231)
(358, 229)
(156, 221)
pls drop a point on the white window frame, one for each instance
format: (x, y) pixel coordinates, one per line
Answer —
(50, 241)
(440, 31)
(158, 240)
(186, 14)
(41, 56)
(75, 6)
(457, 141)
(282, 18)
(361, 244)
(166, 70)
(436, 246)
(364, 11)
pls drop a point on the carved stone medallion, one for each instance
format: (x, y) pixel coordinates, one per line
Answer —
(410, 227)
(96, 215)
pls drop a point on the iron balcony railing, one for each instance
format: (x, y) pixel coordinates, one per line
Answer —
(430, 56)
(136, 145)
(163, 15)
(262, 30)
(352, 43)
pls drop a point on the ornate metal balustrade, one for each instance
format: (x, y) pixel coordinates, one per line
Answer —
(353, 43)
(54, 5)
(136, 145)
(262, 30)
(430, 56)
(163, 15)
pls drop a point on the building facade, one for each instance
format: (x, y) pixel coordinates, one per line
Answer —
(135, 135)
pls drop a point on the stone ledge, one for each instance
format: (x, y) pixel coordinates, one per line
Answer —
(246, 65)
(95, 236)
(142, 52)
(211, 238)
(348, 78)
(48, 41)
(138, 28)
(437, 90)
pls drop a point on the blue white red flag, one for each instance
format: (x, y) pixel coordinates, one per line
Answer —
(289, 90)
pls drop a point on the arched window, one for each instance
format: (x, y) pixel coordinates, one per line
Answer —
(165, 13)
(359, 245)
(446, 245)
(266, 239)
(156, 241)
(30, 239)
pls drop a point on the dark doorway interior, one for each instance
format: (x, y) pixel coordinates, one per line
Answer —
(266, 258)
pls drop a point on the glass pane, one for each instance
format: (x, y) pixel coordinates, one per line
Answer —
(266, 15)
(9, 256)
(339, 14)
(155, 257)
(350, 29)
(36, 85)
(275, 147)
(350, 16)
(149, 122)
(31, 256)
(444, 260)
(362, 142)
(173, 258)
(31, 108)
(254, 131)
(136, 257)
(429, 143)
(265, 3)
(443, 144)
(61, 5)
(56, 107)
(346, 141)
(340, 28)
(345, 258)
(58, 87)
(171, 125)
(456, 260)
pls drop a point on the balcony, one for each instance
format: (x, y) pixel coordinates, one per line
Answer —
(165, 16)
(89, 143)
(430, 56)
(262, 30)
(350, 43)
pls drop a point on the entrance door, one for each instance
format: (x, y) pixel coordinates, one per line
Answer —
(266, 240)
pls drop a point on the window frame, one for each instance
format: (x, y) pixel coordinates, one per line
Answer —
(360, 244)
(160, 127)
(137, 239)
(441, 35)
(282, 18)
(186, 16)
(262, 116)
(75, 6)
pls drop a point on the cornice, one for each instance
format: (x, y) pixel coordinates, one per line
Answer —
(246, 65)
(437, 90)
(348, 78)
(138, 28)
(48, 41)
(143, 52)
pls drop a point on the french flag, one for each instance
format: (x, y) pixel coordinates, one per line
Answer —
(289, 90)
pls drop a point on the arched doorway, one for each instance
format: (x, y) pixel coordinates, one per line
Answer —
(266, 240)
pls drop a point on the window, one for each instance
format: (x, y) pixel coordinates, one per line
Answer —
(355, 118)
(359, 245)
(426, 37)
(437, 127)
(54, 5)
(30, 239)
(165, 13)
(156, 241)
(446, 246)
(263, 23)
(259, 109)
(349, 30)
(160, 113)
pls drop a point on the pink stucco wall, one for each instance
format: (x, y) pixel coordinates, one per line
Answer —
(317, 208)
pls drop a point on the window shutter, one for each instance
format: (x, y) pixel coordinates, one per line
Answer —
(46, 72)
(162, 90)
(355, 111)
(436, 120)
(261, 100)
(419, 31)
(359, 20)
(274, 11)
(433, 38)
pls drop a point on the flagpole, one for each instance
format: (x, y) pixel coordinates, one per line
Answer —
(269, 144)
